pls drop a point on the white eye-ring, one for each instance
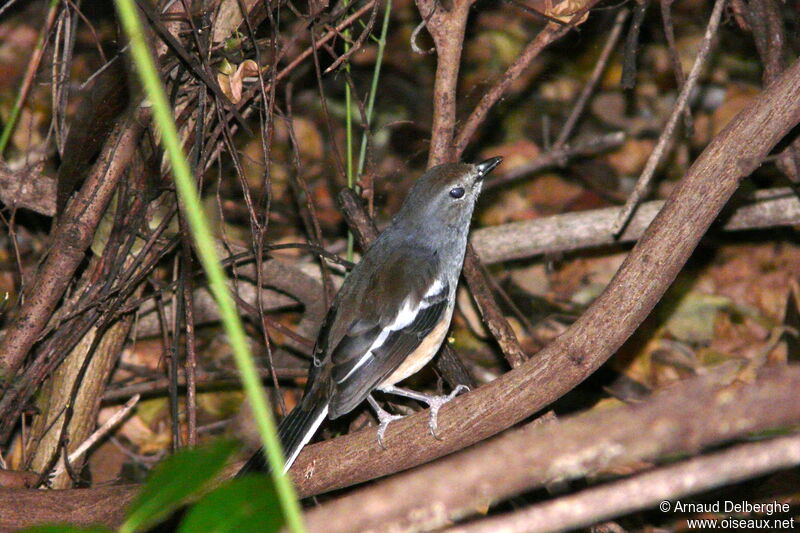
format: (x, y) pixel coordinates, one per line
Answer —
(457, 192)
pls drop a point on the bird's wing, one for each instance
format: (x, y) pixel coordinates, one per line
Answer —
(402, 302)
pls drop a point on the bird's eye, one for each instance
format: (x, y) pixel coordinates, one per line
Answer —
(457, 192)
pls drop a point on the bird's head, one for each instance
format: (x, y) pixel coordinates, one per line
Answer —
(445, 195)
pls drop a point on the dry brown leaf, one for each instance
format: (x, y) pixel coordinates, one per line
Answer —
(630, 158)
(231, 85)
(756, 275)
(224, 82)
(562, 10)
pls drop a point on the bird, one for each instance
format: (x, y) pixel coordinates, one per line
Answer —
(393, 310)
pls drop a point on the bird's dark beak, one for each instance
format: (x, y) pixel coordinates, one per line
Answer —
(484, 167)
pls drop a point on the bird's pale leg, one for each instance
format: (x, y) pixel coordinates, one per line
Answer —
(434, 402)
(384, 418)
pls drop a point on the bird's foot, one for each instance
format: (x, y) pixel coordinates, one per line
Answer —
(384, 418)
(435, 403)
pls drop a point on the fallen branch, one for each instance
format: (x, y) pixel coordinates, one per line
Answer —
(682, 419)
(590, 229)
(646, 490)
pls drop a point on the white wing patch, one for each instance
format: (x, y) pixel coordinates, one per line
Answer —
(405, 317)
(434, 289)
(364, 358)
(407, 314)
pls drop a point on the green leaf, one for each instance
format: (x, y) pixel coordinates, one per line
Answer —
(65, 528)
(174, 481)
(244, 505)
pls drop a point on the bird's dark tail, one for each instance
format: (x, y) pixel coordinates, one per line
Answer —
(294, 431)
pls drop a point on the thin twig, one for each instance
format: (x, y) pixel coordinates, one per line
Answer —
(665, 140)
(190, 364)
(98, 434)
(551, 33)
(769, 34)
(204, 380)
(558, 157)
(480, 288)
(632, 44)
(588, 89)
(680, 76)
(357, 45)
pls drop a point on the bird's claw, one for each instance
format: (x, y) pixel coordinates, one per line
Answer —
(384, 419)
(436, 402)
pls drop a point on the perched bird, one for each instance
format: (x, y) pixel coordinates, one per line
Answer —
(393, 310)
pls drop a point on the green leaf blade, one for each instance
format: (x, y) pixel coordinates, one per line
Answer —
(174, 481)
(245, 505)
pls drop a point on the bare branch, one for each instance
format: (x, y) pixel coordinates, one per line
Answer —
(682, 419)
(590, 229)
(594, 78)
(646, 490)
